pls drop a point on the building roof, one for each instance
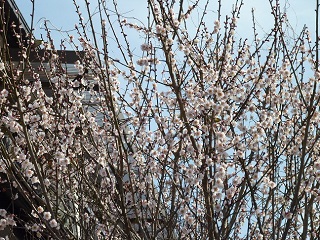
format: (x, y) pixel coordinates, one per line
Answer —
(13, 15)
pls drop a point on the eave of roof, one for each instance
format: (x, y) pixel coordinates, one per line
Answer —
(13, 14)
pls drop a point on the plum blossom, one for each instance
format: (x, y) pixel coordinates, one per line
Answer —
(47, 215)
(195, 133)
(53, 223)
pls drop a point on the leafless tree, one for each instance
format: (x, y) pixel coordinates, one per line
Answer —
(197, 134)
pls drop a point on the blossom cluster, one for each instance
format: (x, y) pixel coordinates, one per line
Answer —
(194, 134)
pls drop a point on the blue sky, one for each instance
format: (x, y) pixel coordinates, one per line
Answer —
(62, 15)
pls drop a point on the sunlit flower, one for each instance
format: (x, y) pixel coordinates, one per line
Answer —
(47, 215)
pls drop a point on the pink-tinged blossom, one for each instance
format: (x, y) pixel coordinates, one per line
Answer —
(230, 192)
(272, 184)
(287, 215)
(47, 215)
(35, 227)
(40, 209)
(53, 223)
(3, 212)
(146, 47)
(223, 130)
(3, 224)
(317, 165)
(9, 220)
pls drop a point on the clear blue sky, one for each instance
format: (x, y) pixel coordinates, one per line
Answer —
(62, 15)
